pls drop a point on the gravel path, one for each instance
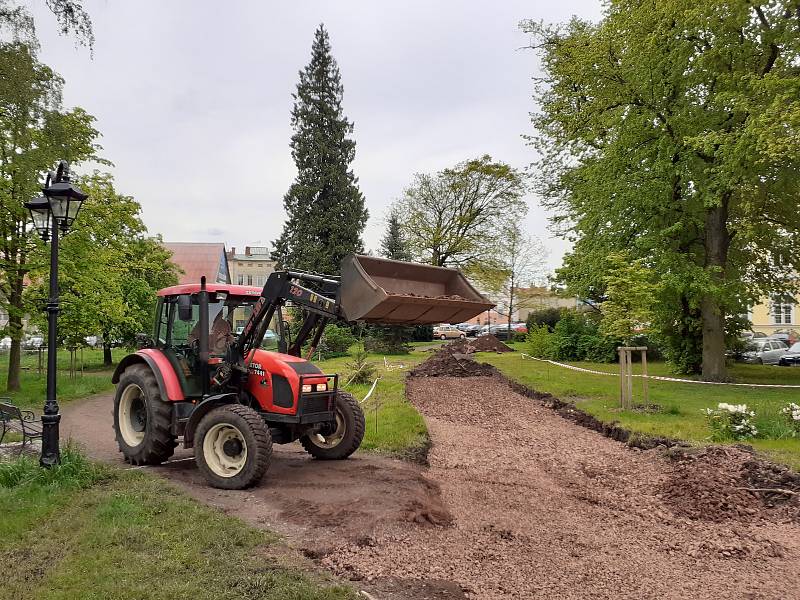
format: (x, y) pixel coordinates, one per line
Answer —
(543, 508)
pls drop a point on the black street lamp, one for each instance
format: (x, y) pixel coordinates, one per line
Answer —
(57, 209)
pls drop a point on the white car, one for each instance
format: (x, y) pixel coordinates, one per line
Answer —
(5, 343)
(763, 351)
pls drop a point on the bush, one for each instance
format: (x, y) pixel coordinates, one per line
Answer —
(791, 412)
(540, 342)
(545, 316)
(389, 339)
(730, 422)
(575, 337)
(336, 341)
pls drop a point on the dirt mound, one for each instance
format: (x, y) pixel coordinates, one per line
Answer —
(483, 343)
(444, 363)
(728, 483)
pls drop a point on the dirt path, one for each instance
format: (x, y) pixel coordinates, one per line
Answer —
(318, 505)
(545, 508)
(540, 508)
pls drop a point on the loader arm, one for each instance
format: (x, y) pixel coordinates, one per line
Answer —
(283, 286)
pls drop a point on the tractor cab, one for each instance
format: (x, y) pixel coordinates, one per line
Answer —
(178, 327)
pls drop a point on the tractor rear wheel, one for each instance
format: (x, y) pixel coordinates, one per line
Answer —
(340, 439)
(232, 447)
(142, 420)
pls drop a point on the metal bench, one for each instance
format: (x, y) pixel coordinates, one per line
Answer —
(12, 418)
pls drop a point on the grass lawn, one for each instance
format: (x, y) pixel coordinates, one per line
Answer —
(87, 531)
(393, 425)
(681, 403)
(94, 379)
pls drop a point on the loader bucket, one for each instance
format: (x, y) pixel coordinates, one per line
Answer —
(393, 292)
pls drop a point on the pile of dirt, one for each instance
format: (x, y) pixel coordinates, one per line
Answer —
(445, 363)
(721, 483)
(482, 343)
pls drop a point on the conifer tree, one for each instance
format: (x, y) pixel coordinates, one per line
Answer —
(393, 243)
(325, 212)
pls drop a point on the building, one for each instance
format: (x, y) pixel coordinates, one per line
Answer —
(198, 259)
(538, 298)
(252, 267)
(777, 314)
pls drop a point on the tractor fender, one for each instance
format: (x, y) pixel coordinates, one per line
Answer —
(168, 383)
(201, 410)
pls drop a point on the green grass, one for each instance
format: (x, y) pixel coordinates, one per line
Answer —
(681, 403)
(84, 531)
(393, 424)
(94, 379)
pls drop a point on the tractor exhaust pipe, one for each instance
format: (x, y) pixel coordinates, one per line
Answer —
(202, 301)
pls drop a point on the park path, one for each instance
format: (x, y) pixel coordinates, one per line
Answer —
(517, 503)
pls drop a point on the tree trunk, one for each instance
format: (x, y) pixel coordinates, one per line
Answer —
(14, 355)
(717, 243)
(107, 355)
(15, 331)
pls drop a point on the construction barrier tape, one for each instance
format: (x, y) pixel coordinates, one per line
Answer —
(372, 389)
(658, 378)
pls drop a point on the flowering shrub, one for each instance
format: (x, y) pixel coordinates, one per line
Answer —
(731, 421)
(792, 413)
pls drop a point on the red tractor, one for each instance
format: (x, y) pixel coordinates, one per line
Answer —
(222, 373)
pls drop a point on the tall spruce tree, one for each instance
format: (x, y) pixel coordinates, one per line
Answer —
(324, 207)
(393, 243)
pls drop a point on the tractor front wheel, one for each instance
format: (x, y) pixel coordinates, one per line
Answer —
(142, 419)
(233, 447)
(339, 439)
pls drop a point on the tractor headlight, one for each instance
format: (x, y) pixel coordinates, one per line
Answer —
(307, 388)
(322, 387)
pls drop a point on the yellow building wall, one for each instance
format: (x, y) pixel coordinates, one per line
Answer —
(762, 318)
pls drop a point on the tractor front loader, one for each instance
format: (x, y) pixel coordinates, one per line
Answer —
(222, 375)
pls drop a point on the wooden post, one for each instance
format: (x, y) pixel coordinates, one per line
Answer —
(645, 391)
(626, 375)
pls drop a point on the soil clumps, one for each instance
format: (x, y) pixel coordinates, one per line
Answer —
(719, 483)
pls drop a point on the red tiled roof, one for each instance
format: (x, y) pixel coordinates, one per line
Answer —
(199, 259)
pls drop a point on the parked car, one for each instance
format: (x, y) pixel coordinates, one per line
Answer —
(763, 351)
(33, 342)
(473, 330)
(792, 356)
(502, 332)
(519, 327)
(783, 337)
(448, 332)
(5, 343)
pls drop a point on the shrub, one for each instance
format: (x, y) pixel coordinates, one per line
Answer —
(792, 414)
(730, 422)
(389, 339)
(363, 371)
(336, 341)
(545, 316)
(540, 342)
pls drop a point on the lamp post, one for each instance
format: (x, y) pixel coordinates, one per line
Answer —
(54, 211)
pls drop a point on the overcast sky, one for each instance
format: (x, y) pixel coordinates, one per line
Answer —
(193, 99)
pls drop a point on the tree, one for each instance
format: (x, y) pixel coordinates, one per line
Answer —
(36, 133)
(522, 261)
(109, 271)
(324, 208)
(631, 290)
(457, 216)
(668, 132)
(70, 16)
(393, 243)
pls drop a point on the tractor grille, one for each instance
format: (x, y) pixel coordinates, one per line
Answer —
(315, 405)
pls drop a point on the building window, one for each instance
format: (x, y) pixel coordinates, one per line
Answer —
(241, 279)
(782, 312)
(249, 280)
(259, 280)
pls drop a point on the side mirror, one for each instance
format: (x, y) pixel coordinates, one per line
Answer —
(185, 307)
